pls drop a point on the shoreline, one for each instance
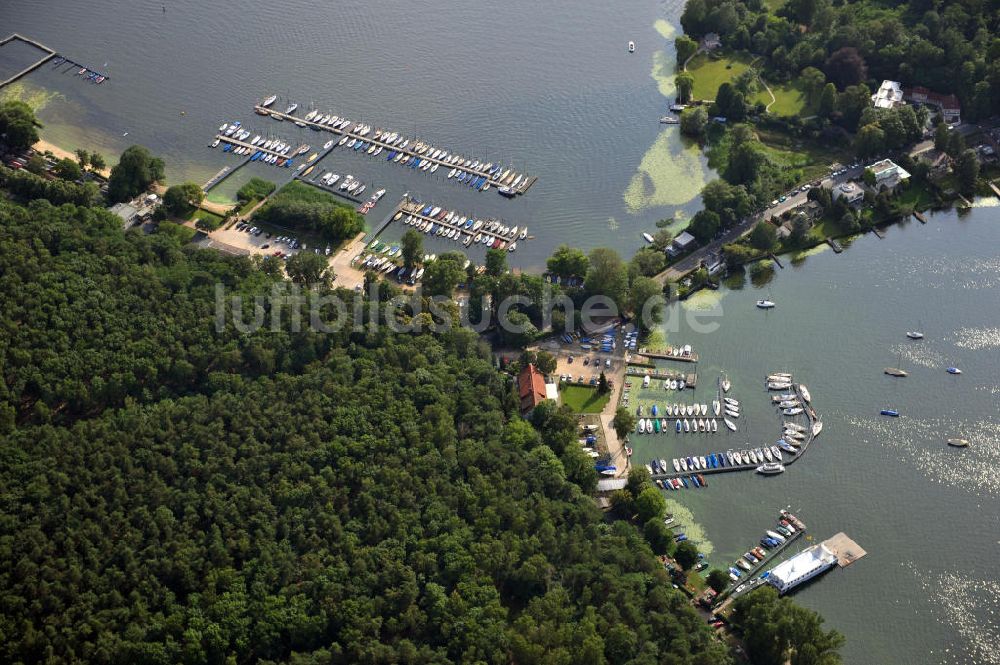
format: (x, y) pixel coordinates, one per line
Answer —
(43, 145)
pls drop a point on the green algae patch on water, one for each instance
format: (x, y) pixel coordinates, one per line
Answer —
(663, 73)
(694, 531)
(664, 177)
(703, 300)
(665, 28)
(32, 95)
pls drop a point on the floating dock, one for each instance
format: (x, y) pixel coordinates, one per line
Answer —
(834, 245)
(787, 458)
(846, 550)
(691, 380)
(410, 151)
(665, 354)
(413, 208)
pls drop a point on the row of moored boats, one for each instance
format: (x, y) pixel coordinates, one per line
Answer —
(761, 455)
(87, 73)
(451, 225)
(274, 151)
(403, 150)
(689, 417)
(773, 538)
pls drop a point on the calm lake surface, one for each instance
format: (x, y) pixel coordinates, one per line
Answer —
(552, 90)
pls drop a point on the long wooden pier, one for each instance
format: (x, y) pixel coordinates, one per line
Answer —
(522, 187)
(665, 354)
(691, 380)
(49, 54)
(414, 208)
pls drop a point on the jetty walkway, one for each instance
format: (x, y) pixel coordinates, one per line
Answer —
(522, 187)
(49, 54)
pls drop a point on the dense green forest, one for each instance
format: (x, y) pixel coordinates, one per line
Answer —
(170, 493)
(946, 45)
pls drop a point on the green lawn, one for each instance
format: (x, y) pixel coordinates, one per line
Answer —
(709, 73)
(789, 99)
(583, 399)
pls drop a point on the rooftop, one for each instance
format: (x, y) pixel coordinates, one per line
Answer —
(531, 387)
(889, 95)
(803, 563)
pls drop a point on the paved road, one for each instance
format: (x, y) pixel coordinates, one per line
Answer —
(694, 259)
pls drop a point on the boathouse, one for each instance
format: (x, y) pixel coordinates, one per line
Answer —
(682, 243)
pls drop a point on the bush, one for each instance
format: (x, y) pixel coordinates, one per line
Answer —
(301, 207)
(255, 188)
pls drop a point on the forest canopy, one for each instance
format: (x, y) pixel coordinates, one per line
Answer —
(173, 493)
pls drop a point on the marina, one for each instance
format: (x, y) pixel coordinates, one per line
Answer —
(411, 152)
(436, 220)
(766, 459)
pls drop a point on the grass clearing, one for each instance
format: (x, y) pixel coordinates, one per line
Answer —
(583, 399)
(789, 99)
(792, 152)
(710, 72)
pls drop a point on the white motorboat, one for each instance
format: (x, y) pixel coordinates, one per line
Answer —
(817, 427)
(732, 402)
(729, 423)
(270, 100)
(913, 334)
(716, 407)
(805, 393)
(765, 304)
(771, 468)
(631, 47)
(715, 425)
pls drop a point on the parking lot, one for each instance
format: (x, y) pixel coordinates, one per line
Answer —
(581, 358)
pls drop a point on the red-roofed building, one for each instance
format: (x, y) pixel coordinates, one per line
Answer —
(530, 388)
(950, 107)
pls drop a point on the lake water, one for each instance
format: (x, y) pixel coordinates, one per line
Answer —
(552, 89)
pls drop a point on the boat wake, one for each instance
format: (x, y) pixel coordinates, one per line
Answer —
(972, 608)
(921, 442)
